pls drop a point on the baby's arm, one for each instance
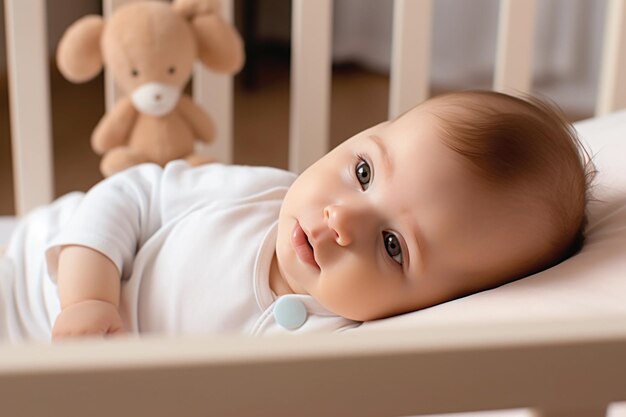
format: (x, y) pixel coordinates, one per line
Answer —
(96, 249)
(97, 243)
(89, 291)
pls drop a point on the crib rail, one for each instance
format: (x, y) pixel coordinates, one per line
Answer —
(309, 117)
(612, 86)
(29, 98)
(565, 369)
(310, 82)
(513, 71)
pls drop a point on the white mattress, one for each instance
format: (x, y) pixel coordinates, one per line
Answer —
(590, 284)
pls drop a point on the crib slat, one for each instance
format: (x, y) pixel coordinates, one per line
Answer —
(111, 91)
(410, 55)
(310, 82)
(214, 92)
(514, 55)
(612, 86)
(29, 98)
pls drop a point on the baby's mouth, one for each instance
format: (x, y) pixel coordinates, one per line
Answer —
(302, 246)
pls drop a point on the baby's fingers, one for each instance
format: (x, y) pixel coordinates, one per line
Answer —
(90, 318)
(117, 331)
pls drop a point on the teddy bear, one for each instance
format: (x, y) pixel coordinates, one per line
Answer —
(150, 48)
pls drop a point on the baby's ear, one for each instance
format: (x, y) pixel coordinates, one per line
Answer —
(220, 47)
(79, 57)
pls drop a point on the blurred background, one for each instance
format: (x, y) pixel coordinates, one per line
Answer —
(566, 62)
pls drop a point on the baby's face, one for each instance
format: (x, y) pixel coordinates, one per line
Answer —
(392, 221)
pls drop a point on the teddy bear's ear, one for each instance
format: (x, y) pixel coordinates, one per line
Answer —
(220, 47)
(79, 57)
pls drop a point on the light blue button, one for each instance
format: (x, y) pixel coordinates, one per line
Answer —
(290, 312)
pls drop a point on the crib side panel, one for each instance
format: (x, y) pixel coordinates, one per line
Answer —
(29, 102)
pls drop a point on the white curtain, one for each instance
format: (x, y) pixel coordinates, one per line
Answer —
(567, 47)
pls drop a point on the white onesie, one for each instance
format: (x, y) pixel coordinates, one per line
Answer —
(194, 246)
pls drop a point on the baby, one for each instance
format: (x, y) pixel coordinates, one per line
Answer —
(465, 192)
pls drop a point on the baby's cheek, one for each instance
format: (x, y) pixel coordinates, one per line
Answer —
(354, 290)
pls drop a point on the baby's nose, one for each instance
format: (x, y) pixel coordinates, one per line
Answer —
(343, 222)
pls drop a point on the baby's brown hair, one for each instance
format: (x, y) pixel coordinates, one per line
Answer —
(528, 146)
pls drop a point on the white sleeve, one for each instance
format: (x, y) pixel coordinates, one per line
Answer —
(115, 218)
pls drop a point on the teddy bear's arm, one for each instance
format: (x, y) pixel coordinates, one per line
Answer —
(200, 122)
(114, 127)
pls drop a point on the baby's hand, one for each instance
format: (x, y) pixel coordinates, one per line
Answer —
(88, 318)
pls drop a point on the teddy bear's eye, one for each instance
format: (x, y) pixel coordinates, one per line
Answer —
(134, 72)
(171, 70)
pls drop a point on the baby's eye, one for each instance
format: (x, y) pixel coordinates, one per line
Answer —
(171, 70)
(393, 247)
(134, 72)
(363, 174)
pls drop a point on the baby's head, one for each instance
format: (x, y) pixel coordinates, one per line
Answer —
(465, 192)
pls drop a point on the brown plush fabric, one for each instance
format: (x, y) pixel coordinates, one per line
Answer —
(151, 43)
(78, 56)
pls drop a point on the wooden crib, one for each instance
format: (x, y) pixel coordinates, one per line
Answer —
(565, 368)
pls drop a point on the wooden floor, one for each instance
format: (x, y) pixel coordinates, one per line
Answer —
(359, 100)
